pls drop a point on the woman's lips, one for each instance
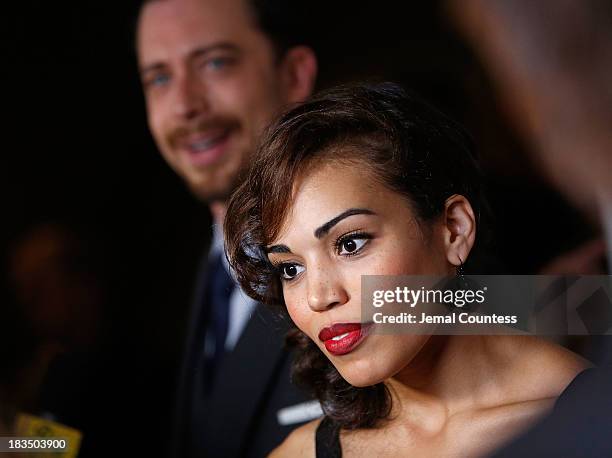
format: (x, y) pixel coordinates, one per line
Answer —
(342, 338)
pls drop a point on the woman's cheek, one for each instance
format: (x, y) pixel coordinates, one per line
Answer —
(298, 310)
(378, 264)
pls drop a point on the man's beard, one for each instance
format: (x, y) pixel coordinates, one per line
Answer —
(207, 195)
(204, 191)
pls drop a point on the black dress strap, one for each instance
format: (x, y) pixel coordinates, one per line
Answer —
(591, 385)
(327, 439)
(567, 396)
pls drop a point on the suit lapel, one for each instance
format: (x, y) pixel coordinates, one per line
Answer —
(243, 378)
(193, 344)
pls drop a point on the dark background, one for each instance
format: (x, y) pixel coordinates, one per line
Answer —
(76, 152)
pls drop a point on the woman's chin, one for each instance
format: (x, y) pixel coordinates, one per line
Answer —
(361, 377)
(362, 383)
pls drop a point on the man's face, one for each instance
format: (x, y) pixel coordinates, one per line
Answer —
(211, 84)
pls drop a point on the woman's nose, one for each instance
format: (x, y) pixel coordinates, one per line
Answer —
(325, 291)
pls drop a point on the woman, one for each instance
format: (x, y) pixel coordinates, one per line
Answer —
(365, 180)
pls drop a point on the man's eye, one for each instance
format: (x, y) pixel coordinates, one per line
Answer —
(349, 246)
(290, 271)
(217, 63)
(158, 80)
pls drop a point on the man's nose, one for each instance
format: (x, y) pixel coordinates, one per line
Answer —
(325, 290)
(190, 98)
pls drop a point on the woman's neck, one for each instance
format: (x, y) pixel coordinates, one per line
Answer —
(451, 374)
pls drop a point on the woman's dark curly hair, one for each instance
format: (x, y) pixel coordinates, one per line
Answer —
(409, 146)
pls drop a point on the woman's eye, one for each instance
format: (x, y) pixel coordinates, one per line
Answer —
(290, 271)
(350, 246)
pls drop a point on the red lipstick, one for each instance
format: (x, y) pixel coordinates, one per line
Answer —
(342, 338)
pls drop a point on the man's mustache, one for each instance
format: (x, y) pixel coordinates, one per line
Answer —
(219, 123)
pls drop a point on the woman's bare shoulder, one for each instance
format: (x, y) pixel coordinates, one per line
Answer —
(300, 443)
(553, 367)
(534, 368)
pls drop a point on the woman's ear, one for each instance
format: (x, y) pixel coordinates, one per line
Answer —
(299, 73)
(459, 229)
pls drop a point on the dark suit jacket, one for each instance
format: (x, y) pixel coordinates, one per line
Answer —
(239, 417)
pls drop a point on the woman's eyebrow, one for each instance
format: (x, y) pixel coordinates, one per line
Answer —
(277, 249)
(325, 228)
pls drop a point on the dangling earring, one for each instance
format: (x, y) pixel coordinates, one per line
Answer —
(460, 268)
(463, 283)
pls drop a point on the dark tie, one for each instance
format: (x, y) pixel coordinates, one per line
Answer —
(213, 331)
(220, 289)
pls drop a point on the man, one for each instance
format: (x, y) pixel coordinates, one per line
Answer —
(213, 78)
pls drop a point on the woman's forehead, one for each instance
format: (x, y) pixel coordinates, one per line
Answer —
(334, 174)
(330, 190)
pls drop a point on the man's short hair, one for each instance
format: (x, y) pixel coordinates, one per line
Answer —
(281, 21)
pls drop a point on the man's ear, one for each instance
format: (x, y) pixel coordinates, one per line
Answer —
(299, 72)
(459, 229)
